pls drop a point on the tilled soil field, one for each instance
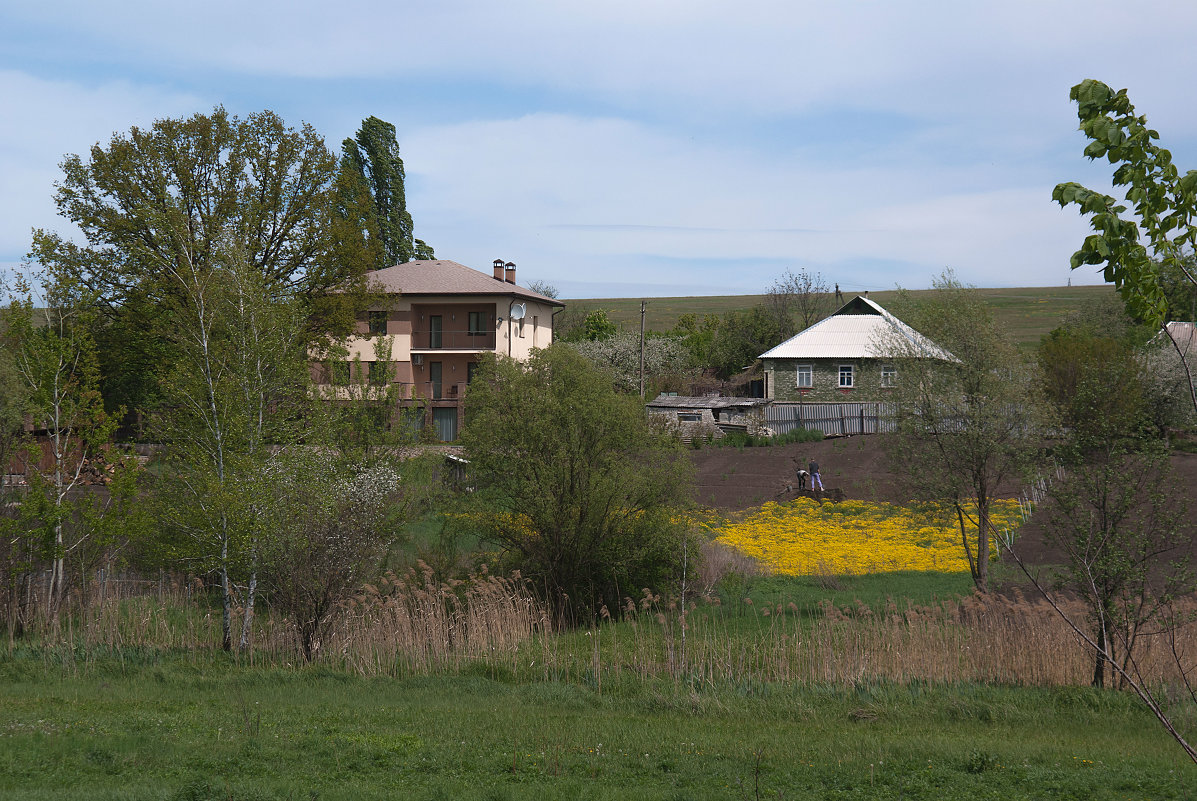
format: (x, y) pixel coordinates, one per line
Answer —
(732, 479)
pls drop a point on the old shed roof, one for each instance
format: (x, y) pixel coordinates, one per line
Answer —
(664, 401)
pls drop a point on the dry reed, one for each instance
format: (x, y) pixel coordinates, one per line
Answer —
(411, 624)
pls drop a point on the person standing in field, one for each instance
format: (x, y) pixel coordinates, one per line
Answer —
(813, 468)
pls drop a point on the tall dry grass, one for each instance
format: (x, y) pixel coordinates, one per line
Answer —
(411, 624)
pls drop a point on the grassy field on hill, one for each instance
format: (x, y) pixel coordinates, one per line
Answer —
(1028, 313)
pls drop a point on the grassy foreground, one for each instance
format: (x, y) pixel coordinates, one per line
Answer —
(143, 725)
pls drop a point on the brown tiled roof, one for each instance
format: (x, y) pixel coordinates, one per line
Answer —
(441, 277)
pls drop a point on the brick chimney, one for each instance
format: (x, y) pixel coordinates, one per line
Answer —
(498, 269)
(510, 268)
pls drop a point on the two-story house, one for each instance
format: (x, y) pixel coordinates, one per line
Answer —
(439, 317)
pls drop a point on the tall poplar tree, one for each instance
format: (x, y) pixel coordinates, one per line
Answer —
(371, 162)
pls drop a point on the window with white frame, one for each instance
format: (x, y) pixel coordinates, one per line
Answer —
(847, 373)
(889, 375)
(806, 376)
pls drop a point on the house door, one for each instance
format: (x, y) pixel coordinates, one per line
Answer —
(434, 377)
(445, 421)
(434, 331)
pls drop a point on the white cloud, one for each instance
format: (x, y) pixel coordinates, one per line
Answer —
(45, 120)
(635, 204)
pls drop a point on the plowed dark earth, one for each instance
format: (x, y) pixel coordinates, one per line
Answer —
(858, 467)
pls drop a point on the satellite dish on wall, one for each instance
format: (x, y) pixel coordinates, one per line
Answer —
(518, 310)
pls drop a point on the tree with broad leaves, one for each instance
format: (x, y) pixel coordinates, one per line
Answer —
(1146, 250)
(571, 483)
(170, 198)
(371, 160)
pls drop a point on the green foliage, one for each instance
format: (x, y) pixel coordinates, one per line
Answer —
(570, 481)
(743, 336)
(183, 195)
(698, 336)
(238, 386)
(597, 326)
(964, 426)
(54, 359)
(1165, 202)
(371, 162)
(1149, 255)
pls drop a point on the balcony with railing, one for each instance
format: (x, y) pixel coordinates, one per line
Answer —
(432, 390)
(429, 338)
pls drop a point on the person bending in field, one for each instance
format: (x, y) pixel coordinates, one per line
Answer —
(802, 476)
(814, 475)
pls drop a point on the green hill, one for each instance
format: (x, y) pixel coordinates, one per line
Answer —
(1027, 312)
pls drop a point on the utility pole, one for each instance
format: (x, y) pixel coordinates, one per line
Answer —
(643, 306)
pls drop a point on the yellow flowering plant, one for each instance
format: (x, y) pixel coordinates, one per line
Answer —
(803, 537)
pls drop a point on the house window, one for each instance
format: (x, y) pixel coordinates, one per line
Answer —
(846, 376)
(888, 375)
(521, 328)
(471, 368)
(689, 417)
(806, 375)
(378, 323)
(477, 324)
(379, 373)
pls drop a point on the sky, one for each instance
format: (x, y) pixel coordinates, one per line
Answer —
(641, 148)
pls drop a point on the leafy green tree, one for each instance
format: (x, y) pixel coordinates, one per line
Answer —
(371, 160)
(598, 326)
(54, 357)
(571, 483)
(966, 424)
(238, 387)
(697, 336)
(170, 199)
(743, 336)
(1146, 255)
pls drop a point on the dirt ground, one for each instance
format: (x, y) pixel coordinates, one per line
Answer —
(741, 478)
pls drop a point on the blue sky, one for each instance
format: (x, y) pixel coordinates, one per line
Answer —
(638, 148)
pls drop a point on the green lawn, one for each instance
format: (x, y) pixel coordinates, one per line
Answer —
(1027, 312)
(200, 728)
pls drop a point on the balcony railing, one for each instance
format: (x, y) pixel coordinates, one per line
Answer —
(432, 390)
(426, 339)
(406, 390)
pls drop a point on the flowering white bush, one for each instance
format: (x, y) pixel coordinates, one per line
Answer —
(664, 357)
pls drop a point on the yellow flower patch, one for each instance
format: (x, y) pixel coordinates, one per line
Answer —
(802, 537)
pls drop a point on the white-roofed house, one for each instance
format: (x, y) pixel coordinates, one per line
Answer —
(846, 356)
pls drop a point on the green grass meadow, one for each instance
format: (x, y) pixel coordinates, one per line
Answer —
(161, 727)
(104, 722)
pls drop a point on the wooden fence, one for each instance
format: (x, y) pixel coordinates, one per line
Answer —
(833, 419)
